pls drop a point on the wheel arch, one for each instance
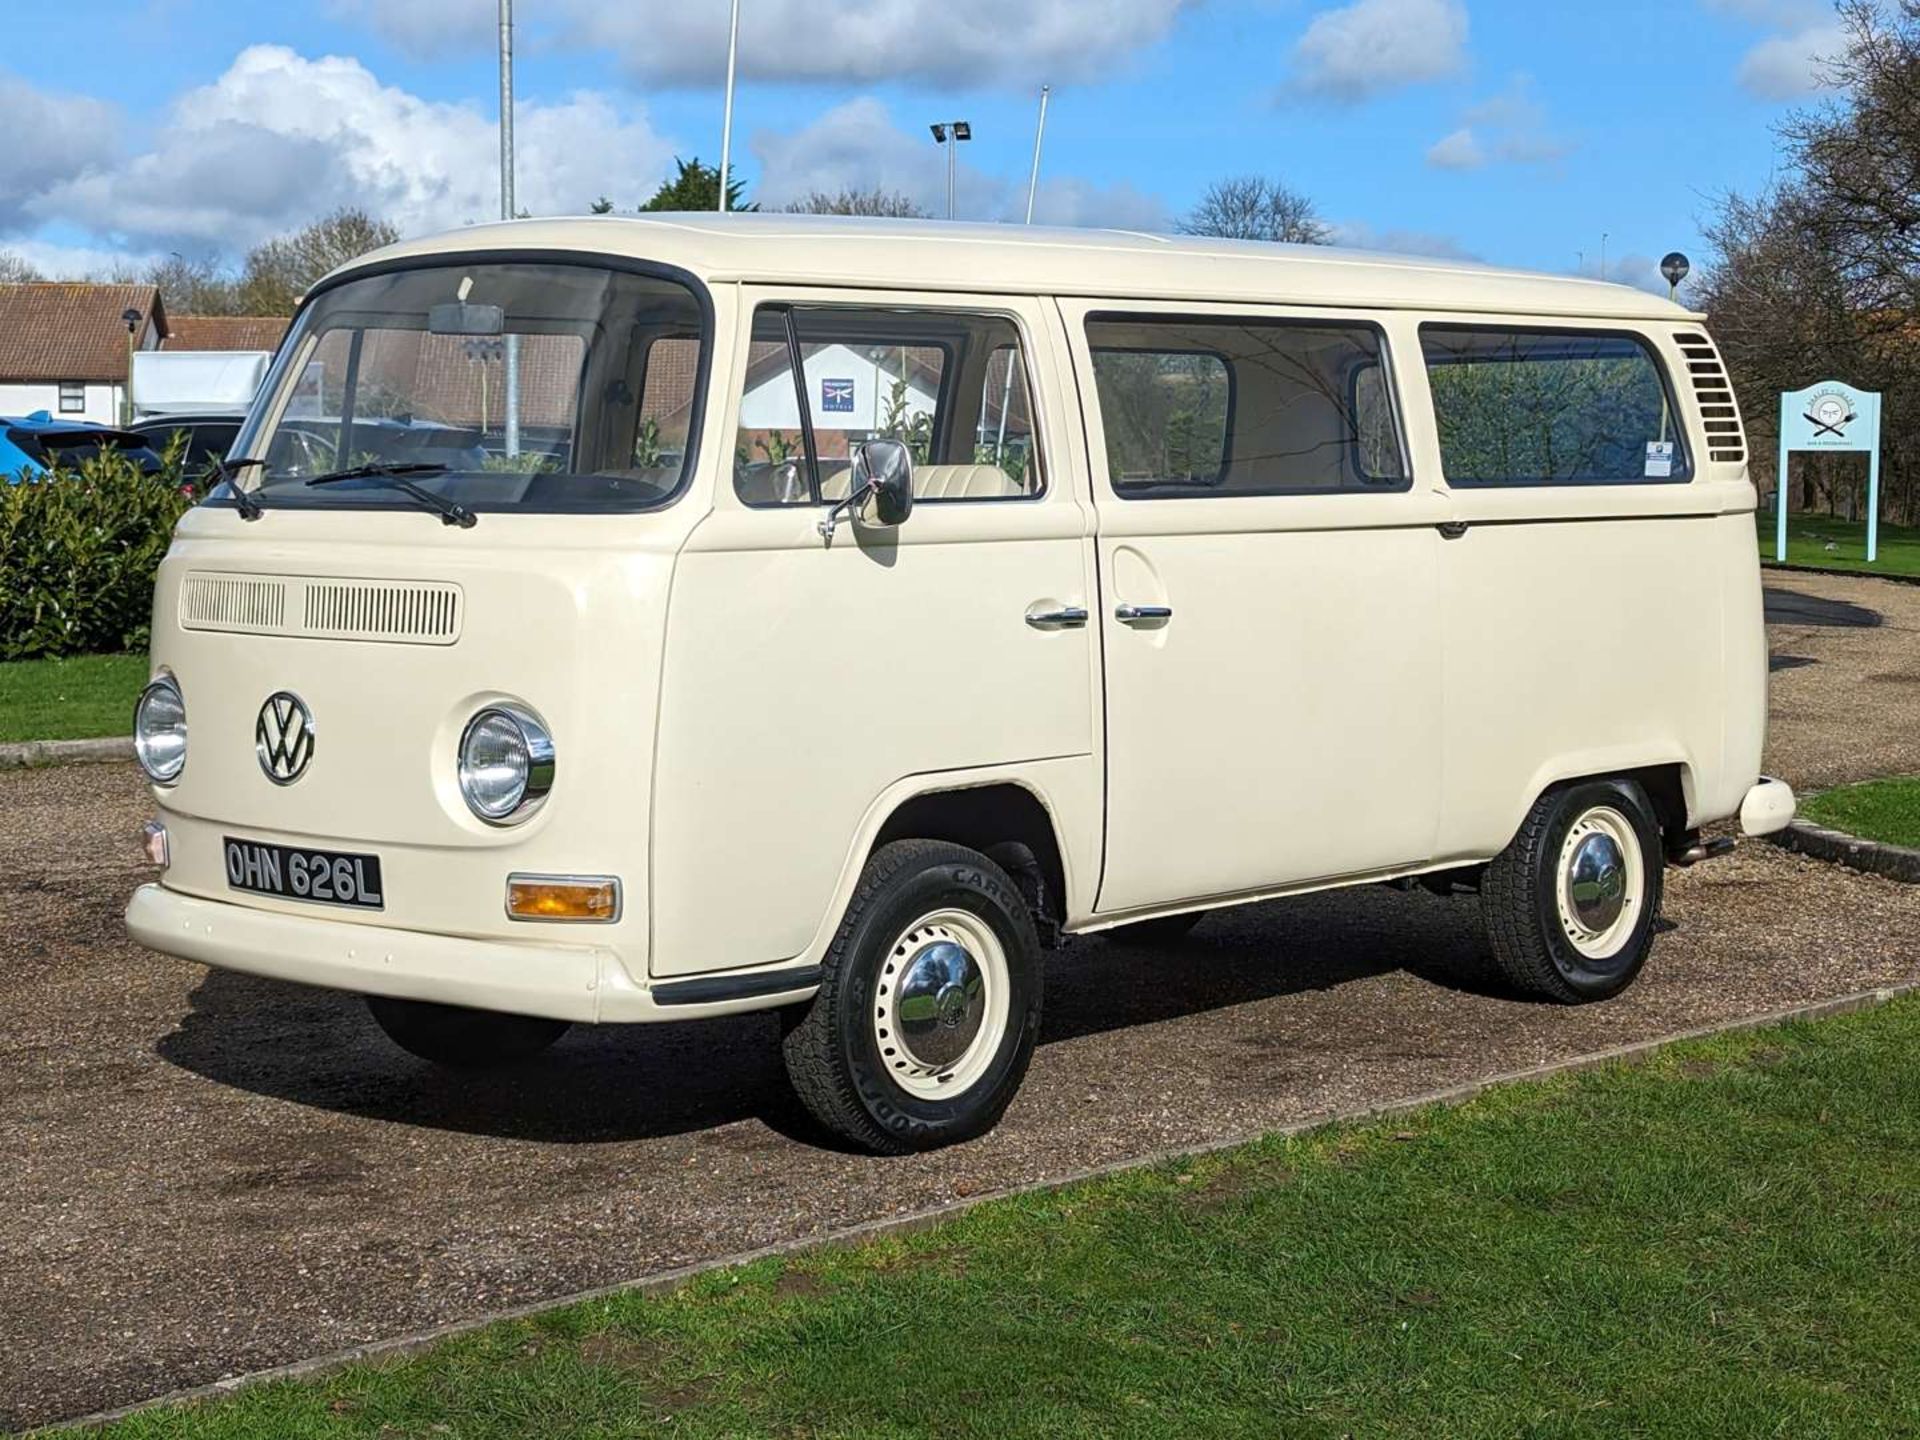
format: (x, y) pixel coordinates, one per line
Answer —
(1669, 784)
(988, 817)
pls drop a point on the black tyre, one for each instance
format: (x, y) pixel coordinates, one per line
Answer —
(1161, 930)
(1570, 905)
(463, 1039)
(928, 1007)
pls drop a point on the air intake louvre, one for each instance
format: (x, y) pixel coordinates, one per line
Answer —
(1719, 411)
(420, 613)
(403, 612)
(233, 602)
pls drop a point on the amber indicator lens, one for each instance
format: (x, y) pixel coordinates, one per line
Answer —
(553, 897)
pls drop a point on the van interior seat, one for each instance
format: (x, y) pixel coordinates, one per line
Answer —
(940, 482)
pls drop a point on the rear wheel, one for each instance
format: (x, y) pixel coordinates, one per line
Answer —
(929, 1003)
(460, 1038)
(1570, 905)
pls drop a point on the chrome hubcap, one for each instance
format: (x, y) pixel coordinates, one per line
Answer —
(939, 1004)
(1601, 883)
(1597, 881)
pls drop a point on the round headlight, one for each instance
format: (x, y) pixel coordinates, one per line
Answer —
(160, 731)
(506, 764)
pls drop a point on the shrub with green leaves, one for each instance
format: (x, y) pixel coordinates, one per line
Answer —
(78, 552)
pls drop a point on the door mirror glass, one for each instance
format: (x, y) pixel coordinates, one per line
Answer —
(882, 483)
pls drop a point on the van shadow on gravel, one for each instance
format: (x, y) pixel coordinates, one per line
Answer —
(321, 1048)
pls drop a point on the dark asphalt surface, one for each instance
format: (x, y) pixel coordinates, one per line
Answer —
(211, 1174)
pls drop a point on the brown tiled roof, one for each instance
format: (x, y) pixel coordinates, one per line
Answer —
(225, 332)
(52, 331)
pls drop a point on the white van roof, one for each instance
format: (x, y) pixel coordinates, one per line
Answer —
(1016, 259)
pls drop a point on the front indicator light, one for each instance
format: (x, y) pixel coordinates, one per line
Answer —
(153, 840)
(593, 898)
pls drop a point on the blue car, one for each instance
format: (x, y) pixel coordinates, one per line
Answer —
(33, 444)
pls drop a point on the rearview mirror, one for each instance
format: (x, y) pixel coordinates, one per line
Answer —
(457, 317)
(879, 490)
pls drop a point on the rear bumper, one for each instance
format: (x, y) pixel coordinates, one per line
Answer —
(562, 982)
(1768, 808)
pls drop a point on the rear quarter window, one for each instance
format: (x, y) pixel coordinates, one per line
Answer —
(1551, 407)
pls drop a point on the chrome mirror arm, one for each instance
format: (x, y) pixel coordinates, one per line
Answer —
(831, 520)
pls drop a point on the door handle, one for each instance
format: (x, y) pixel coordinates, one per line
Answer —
(1142, 614)
(1451, 529)
(1068, 617)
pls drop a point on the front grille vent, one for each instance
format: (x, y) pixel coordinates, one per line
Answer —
(420, 613)
(233, 602)
(1719, 411)
(401, 612)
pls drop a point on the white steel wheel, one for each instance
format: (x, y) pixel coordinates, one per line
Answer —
(941, 1003)
(1600, 882)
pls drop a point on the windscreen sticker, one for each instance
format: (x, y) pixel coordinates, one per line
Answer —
(1660, 455)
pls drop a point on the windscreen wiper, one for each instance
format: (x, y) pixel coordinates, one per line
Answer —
(394, 477)
(227, 472)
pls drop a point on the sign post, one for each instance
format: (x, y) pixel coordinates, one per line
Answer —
(1830, 417)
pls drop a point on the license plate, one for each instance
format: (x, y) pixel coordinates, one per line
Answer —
(296, 873)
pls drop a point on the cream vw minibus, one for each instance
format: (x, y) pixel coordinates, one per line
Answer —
(614, 621)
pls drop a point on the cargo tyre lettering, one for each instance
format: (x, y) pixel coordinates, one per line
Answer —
(1571, 905)
(928, 1007)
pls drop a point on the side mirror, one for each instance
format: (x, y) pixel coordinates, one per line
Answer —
(883, 479)
(879, 489)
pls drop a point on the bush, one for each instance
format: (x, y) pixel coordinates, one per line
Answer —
(78, 552)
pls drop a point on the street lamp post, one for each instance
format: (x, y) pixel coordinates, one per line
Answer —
(950, 133)
(1676, 267)
(131, 318)
(510, 380)
(726, 123)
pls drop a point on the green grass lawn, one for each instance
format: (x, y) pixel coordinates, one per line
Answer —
(1725, 1241)
(76, 699)
(1809, 535)
(1884, 810)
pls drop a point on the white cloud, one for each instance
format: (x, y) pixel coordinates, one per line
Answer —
(80, 262)
(48, 137)
(858, 146)
(1359, 235)
(1373, 46)
(1459, 151)
(279, 139)
(1511, 128)
(978, 43)
(1790, 67)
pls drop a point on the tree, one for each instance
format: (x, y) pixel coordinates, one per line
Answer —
(1251, 207)
(16, 271)
(696, 187)
(1820, 276)
(891, 204)
(277, 273)
(193, 287)
(602, 206)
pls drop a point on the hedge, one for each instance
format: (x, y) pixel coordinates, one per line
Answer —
(78, 552)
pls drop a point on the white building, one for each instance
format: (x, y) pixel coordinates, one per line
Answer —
(65, 346)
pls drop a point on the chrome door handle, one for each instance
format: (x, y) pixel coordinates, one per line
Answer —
(1142, 614)
(1070, 617)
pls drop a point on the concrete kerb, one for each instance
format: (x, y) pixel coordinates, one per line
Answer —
(667, 1281)
(1870, 857)
(37, 754)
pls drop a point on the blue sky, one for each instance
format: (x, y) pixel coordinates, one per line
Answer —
(1514, 132)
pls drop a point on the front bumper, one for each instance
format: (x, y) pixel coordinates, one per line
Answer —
(1768, 808)
(561, 982)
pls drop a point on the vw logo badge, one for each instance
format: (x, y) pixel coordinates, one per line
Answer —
(283, 737)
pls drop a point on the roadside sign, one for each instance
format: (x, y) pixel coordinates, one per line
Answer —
(1830, 417)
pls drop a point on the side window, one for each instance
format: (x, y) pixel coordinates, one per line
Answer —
(1195, 406)
(951, 385)
(1551, 407)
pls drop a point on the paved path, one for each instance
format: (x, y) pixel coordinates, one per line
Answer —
(209, 1173)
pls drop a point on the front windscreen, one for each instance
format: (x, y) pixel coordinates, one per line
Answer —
(522, 386)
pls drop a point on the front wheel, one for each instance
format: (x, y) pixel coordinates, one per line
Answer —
(463, 1039)
(929, 1003)
(1570, 905)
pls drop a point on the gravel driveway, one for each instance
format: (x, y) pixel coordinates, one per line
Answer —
(211, 1173)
